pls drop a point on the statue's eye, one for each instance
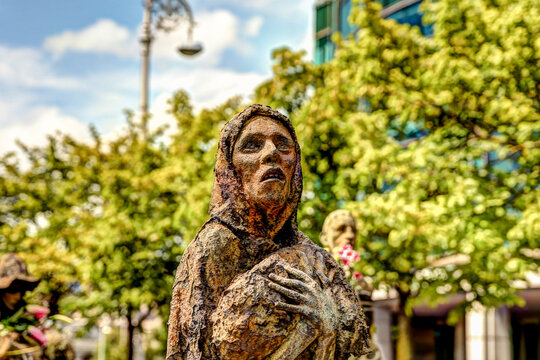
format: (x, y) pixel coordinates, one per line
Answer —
(252, 145)
(283, 146)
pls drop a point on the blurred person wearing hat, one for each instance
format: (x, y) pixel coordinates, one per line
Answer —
(14, 283)
(22, 331)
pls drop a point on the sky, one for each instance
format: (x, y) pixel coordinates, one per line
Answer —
(66, 64)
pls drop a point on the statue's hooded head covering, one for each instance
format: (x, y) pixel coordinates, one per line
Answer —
(228, 204)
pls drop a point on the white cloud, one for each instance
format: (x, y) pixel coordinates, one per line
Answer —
(25, 71)
(104, 37)
(208, 87)
(253, 26)
(27, 67)
(160, 116)
(34, 124)
(281, 8)
(217, 30)
(308, 43)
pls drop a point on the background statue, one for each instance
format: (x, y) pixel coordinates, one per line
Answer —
(251, 285)
(339, 230)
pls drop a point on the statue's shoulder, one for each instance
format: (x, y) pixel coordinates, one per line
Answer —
(209, 248)
(309, 247)
(212, 238)
(305, 241)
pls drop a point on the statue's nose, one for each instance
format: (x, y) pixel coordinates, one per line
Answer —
(270, 152)
(349, 233)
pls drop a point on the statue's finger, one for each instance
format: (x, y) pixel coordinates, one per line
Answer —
(304, 257)
(308, 313)
(331, 274)
(291, 294)
(323, 279)
(298, 274)
(290, 283)
(297, 309)
(320, 264)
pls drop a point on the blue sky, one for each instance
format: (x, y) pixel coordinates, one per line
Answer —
(65, 64)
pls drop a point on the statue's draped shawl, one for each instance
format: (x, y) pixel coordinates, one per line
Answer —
(233, 241)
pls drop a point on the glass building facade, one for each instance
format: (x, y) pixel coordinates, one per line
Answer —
(332, 16)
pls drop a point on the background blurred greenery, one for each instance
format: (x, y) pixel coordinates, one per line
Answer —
(432, 143)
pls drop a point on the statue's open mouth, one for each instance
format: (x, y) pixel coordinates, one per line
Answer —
(273, 174)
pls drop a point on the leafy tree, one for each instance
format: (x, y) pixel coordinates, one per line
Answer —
(36, 213)
(152, 201)
(104, 224)
(193, 152)
(295, 81)
(433, 144)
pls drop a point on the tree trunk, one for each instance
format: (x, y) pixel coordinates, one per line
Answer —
(404, 343)
(130, 333)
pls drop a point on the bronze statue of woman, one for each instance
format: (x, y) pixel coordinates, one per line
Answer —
(251, 285)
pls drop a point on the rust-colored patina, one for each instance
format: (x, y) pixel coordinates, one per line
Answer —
(251, 285)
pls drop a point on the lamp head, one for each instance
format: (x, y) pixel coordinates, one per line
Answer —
(190, 50)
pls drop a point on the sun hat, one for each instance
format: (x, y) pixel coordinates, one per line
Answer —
(13, 271)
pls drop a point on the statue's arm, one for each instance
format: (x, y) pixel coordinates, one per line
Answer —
(299, 339)
(315, 302)
(190, 305)
(207, 267)
(187, 317)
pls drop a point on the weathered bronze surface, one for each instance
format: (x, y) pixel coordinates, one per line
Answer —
(251, 285)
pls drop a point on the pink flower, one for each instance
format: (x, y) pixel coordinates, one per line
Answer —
(357, 275)
(38, 335)
(344, 249)
(347, 255)
(38, 311)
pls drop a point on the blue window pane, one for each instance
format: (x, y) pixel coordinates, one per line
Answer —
(386, 3)
(411, 15)
(324, 17)
(324, 50)
(345, 28)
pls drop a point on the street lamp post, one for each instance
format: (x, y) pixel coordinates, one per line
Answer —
(168, 13)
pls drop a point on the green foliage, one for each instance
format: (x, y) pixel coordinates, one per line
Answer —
(36, 212)
(433, 143)
(294, 82)
(192, 159)
(115, 345)
(105, 224)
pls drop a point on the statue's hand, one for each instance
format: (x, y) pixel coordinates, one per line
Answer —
(314, 299)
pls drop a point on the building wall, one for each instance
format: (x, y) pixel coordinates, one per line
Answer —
(482, 334)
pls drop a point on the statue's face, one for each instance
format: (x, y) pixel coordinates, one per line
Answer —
(264, 157)
(341, 233)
